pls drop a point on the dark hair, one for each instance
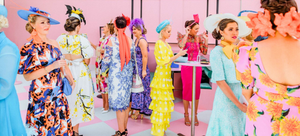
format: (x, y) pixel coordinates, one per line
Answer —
(189, 22)
(71, 24)
(277, 6)
(111, 27)
(121, 22)
(222, 25)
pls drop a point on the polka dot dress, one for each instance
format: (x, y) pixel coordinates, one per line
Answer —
(161, 90)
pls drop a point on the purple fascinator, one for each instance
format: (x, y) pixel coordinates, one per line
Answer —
(137, 23)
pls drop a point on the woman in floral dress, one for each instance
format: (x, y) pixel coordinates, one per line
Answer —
(108, 30)
(77, 51)
(48, 110)
(272, 67)
(119, 59)
(140, 101)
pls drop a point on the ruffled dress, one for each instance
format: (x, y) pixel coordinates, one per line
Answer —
(162, 90)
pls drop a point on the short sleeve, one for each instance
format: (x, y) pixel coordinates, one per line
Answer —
(29, 60)
(218, 73)
(87, 49)
(160, 53)
(243, 68)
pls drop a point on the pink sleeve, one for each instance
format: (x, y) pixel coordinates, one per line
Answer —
(243, 67)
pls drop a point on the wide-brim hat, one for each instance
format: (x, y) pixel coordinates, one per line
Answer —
(35, 11)
(211, 23)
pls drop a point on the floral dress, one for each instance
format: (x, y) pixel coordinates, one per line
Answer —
(101, 80)
(162, 90)
(226, 118)
(141, 101)
(194, 45)
(119, 82)
(274, 109)
(48, 110)
(81, 101)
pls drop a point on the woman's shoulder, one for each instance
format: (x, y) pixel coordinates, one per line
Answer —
(53, 43)
(217, 50)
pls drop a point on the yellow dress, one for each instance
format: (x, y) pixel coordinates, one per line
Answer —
(162, 90)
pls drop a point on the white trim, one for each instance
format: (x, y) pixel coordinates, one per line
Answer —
(75, 15)
(1, 2)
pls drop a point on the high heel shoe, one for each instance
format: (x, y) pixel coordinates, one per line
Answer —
(196, 120)
(126, 131)
(187, 123)
(118, 133)
(136, 115)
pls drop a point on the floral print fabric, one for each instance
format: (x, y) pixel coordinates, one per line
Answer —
(119, 82)
(141, 101)
(274, 109)
(81, 101)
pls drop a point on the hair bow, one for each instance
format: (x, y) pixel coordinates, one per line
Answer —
(127, 20)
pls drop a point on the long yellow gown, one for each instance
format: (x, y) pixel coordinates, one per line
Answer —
(162, 90)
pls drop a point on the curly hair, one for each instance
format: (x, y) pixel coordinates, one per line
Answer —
(3, 22)
(277, 6)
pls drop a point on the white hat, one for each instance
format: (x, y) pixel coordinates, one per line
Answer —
(211, 23)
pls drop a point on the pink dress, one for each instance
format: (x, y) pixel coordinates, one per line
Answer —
(193, 45)
(274, 109)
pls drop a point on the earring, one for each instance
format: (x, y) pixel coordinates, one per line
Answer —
(222, 38)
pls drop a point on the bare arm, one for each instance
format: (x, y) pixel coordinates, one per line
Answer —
(247, 93)
(143, 45)
(93, 45)
(87, 61)
(43, 71)
(228, 92)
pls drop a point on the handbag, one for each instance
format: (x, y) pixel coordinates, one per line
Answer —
(137, 84)
(67, 88)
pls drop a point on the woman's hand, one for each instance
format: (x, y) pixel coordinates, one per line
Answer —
(242, 107)
(144, 73)
(182, 52)
(73, 84)
(59, 64)
(187, 30)
(205, 36)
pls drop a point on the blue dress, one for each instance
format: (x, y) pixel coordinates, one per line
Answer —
(10, 118)
(226, 118)
(141, 101)
(119, 82)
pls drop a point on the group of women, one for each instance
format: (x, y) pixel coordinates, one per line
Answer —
(256, 95)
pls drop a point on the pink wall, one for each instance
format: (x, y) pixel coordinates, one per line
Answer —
(99, 12)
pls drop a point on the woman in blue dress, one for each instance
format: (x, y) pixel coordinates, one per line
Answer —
(140, 101)
(227, 118)
(119, 59)
(10, 117)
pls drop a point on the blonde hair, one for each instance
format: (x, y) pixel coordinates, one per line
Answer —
(31, 20)
(3, 22)
(164, 29)
(249, 37)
